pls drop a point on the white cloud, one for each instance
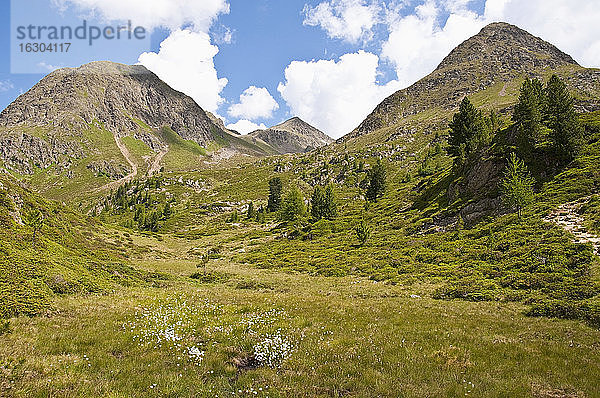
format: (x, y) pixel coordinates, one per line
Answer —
(48, 67)
(335, 96)
(417, 43)
(570, 25)
(171, 14)
(185, 62)
(254, 103)
(185, 59)
(223, 35)
(350, 20)
(246, 126)
(6, 85)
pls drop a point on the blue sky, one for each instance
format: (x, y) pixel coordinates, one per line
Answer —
(327, 61)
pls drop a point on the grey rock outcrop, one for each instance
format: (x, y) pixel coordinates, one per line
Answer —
(22, 152)
(48, 124)
(292, 136)
(123, 98)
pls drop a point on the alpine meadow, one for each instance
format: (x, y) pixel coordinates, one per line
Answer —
(447, 246)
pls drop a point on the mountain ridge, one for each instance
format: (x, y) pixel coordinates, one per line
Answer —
(292, 136)
(498, 54)
(71, 124)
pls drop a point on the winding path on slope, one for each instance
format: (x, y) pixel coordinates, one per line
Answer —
(128, 177)
(155, 166)
(567, 216)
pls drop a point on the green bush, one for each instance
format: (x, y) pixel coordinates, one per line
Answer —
(587, 310)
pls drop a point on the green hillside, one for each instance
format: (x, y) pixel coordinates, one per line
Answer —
(448, 246)
(69, 253)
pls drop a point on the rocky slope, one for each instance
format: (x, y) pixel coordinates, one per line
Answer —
(291, 136)
(116, 95)
(77, 118)
(496, 56)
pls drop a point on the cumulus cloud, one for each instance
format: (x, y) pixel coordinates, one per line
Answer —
(48, 67)
(417, 42)
(422, 33)
(335, 96)
(185, 62)
(246, 126)
(171, 14)
(185, 59)
(350, 20)
(255, 103)
(572, 26)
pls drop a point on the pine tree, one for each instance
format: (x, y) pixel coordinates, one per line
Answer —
(528, 114)
(363, 231)
(330, 207)
(142, 219)
(317, 203)
(34, 219)
(323, 203)
(517, 184)
(152, 221)
(167, 212)
(234, 217)
(292, 206)
(275, 189)
(377, 182)
(260, 215)
(493, 121)
(470, 132)
(562, 120)
(250, 213)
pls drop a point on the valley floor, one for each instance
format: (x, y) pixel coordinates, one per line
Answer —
(242, 331)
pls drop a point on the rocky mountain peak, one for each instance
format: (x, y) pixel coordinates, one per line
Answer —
(123, 98)
(64, 118)
(299, 126)
(107, 68)
(292, 136)
(499, 53)
(506, 47)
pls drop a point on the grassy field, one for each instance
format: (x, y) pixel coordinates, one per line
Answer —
(420, 309)
(241, 331)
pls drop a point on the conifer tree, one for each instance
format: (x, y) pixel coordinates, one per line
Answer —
(323, 203)
(260, 215)
(275, 189)
(330, 207)
(292, 206)
(377, 182)
(517, 184)
(317, 203)
(251, 212)
(167, 212)
(151, 222)
(562, 120)
(470, 132)
(363, 231)
(528, 114)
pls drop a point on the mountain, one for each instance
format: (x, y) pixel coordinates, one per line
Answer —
(105, 121)
(435, 276)
(495, 60)
(220, 123)
(291, 136)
